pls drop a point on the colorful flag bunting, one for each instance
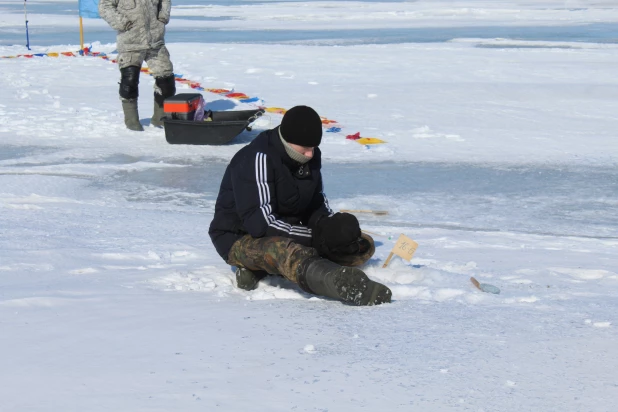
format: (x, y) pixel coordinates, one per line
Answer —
(87, 8)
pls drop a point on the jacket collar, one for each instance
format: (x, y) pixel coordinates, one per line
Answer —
(275, 140)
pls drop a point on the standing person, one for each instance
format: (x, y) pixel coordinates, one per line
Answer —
(272, 217)
(141, 30)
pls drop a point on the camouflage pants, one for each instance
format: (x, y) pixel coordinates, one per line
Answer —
(158, 61)
(281, 255)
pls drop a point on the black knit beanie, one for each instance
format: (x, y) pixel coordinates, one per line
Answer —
(301, 125)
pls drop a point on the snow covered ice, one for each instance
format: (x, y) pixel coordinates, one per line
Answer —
(500, 161)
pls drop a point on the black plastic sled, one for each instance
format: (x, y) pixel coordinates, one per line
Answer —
(223, 127)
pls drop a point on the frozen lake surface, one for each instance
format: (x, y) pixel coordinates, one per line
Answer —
(554, 201)
(596, 33)
(500, 161)
(535, 200)
(177, 31)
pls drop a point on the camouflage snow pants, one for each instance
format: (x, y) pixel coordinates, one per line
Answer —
(158, 61)
(281, 256)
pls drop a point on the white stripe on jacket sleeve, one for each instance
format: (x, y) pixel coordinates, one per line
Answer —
(264, 193)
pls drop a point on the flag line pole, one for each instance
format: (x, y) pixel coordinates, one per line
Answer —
(81, 33)
(26, 18)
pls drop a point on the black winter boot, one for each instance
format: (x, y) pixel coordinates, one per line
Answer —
(164, 87)
(247, 279)
(131, 116)
(322, 277)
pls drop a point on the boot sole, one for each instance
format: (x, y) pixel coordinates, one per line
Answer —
(353, 286)
(379, 294)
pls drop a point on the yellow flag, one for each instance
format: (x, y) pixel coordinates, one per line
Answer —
(278, 110)
(369, 140)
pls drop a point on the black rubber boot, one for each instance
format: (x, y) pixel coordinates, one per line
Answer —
(247, 279)
(131, 116)
(325, 278)
(164, 87)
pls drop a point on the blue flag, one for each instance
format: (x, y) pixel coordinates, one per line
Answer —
(89, 9)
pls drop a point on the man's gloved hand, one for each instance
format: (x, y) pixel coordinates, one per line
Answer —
(163, 20)
(337, 234)
(357, 247)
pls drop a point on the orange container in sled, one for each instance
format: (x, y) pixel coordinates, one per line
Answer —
(184, 125)
(182, 106)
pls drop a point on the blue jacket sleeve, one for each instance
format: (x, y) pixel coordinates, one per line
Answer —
(253, 184)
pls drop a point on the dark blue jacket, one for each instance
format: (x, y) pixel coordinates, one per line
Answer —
(266, 193)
